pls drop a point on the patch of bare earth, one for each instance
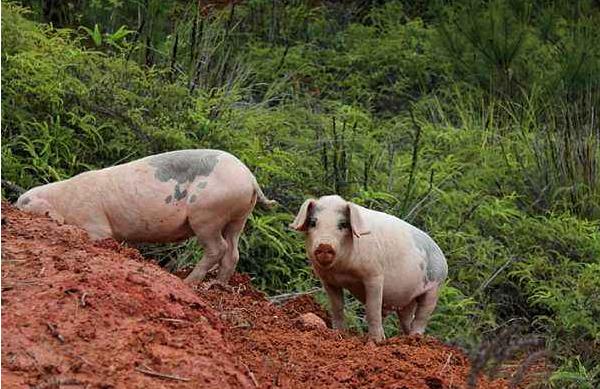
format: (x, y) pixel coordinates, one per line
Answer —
(77, 313)
(96, 315)
(282, 352)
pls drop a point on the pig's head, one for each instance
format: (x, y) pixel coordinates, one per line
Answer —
(331, 225)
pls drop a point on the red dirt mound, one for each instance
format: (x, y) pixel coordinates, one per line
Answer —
(280, 353)
(95, 314)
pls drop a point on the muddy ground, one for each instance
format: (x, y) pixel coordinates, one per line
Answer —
(82, 314)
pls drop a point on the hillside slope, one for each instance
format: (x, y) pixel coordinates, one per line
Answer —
(77, 313)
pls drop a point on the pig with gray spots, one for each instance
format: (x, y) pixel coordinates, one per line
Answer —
(161, 198)
(386, 263)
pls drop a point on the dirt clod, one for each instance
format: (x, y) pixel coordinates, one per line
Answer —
(310, 321)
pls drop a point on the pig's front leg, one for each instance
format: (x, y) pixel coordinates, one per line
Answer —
(374, 301)
(336, 297)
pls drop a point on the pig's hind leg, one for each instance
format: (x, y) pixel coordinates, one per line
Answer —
(243, 204)
(230, 259)
(425, 306)
(406, 316)
(215, 247)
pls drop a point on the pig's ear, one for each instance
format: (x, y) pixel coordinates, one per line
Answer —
(357, 222)
(300, 223)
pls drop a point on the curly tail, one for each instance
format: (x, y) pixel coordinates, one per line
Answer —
(261, 198)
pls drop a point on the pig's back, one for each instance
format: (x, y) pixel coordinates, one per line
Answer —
(407, 242)
(152, 197)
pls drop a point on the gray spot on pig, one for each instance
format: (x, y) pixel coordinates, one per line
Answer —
(201, 185)
(184, 165)
(179, 194)
(168, 199)
(422, 265)
(25, 201)
(435, 261)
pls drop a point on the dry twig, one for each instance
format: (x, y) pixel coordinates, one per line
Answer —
(54, 331)
(83, 303)
(446, 364)
(173, 320)
(153, 373)
(251, 375)
(12, 285)
(282, 298)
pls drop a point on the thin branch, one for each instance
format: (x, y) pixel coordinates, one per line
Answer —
(496, 273)
(279, 299)
(161, 375)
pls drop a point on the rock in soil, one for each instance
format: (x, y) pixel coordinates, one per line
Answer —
(310, 321)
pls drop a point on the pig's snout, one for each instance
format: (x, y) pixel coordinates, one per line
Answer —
(324, 254)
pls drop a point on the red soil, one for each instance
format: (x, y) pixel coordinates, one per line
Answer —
(77, 313)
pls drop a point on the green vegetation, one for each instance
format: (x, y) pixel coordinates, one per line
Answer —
(477, 122)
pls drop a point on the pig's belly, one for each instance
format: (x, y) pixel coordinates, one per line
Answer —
(399, 291)
(397, 295)
(394, 296)
(164, 235)
(392, 299)
(152, 226)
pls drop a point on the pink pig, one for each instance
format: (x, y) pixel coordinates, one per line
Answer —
(161, 198)
(385, 262)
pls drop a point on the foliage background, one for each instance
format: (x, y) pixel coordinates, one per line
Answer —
(474, 120)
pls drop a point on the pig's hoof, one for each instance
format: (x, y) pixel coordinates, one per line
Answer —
(377, 337)
(372, 342)
(216, 284)
(416, 337)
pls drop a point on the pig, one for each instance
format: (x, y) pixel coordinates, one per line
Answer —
(164, 198)
(385, 262)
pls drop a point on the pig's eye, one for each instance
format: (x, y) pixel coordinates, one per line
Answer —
(312, 222)
(343, 225)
